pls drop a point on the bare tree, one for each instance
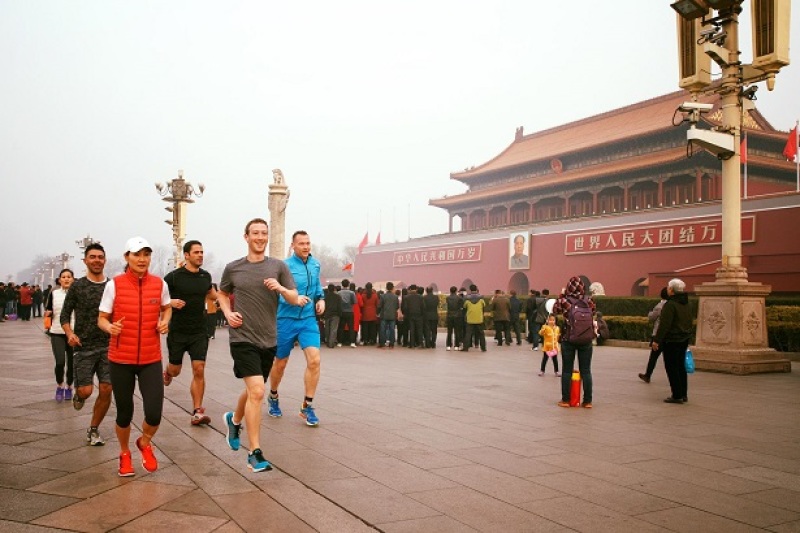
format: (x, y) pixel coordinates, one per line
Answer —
(161, 261)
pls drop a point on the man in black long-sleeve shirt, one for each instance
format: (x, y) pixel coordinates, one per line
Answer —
(89, 341)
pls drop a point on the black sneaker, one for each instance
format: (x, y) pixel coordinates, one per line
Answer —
(77, 401)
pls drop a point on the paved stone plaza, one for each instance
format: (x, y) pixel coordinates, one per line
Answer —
(414, 440)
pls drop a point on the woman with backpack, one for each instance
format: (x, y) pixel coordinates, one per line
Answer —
(578, 311)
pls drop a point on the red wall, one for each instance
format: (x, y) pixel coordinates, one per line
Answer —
(774, 259)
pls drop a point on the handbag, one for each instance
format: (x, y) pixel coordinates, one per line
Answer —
(551, 353)
(48, 322)
(689, 361)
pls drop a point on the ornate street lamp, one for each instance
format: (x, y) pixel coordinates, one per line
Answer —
(83, 244)
(62, 260)
(178, 192)
(731, 323)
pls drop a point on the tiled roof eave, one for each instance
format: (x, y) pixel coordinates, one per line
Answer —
(627, 165)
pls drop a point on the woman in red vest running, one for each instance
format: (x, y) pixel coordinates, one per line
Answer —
(134, 310)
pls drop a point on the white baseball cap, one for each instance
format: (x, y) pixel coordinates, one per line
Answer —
(135, 244)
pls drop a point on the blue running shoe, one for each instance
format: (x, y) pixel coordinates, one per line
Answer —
(307, 413)
(274, 407)
(232, 436)
(256, 461)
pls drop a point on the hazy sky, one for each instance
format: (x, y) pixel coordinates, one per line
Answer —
(366, 106)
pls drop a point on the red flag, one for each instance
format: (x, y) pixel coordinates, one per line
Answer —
(363, 242)
(378, 240)
(743, 151)
(348, 266)
(790, 152)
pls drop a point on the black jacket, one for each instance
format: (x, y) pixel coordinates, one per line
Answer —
(413, 306)
(676, 320)
(455, 305)
(430, 303)
(333, 304)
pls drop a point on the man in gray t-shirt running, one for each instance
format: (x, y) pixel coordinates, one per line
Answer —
(255, 281)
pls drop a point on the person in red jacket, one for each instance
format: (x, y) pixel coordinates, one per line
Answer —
(134, 310)
(368, 301)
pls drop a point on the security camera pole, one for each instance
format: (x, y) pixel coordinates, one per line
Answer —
(731, 324)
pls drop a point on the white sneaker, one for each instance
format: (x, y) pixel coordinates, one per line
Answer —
(541, 373)
(353, 345)
(535, 348)
(339, 344)
(448, 348)
(93, 438)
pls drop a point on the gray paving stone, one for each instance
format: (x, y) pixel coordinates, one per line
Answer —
(482, 513)
(733, 507)
(24, 506)
(113, 508)
(581, 515)
(689, 520)
(424, 441)
(374, 502)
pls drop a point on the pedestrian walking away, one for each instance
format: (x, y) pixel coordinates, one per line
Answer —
(189, 289)
(673, 335)
(654, 317)
(89, 342)
(135, 311)
(255, 281)
(62, 351)
(297, 323)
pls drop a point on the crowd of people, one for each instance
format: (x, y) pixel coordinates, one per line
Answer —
(22, 301)
(106, 332)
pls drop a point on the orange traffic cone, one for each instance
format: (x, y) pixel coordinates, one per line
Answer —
(575, 389)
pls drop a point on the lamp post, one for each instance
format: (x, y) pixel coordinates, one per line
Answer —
(178, 192)
(731, 324)
(63, 260)
(83, 244)
(51, 265)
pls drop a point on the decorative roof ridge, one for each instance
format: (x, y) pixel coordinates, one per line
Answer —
(616, 111)
(519, 137)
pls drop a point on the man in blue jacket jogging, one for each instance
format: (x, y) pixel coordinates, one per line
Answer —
(298, 323)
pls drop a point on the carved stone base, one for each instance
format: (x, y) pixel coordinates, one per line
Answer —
(732, 329)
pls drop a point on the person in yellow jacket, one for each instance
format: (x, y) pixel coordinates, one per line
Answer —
(550, 334)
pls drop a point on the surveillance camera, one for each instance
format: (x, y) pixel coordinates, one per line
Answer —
(718, 143)
(688, 107)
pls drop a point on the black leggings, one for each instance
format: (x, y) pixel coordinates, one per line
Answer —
(151, 388)
(62, 351)
(545, 357)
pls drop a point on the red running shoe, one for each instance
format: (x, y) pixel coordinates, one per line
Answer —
(126, 465)
(149, 461)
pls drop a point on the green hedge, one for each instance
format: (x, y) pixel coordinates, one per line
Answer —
(627, 318)
(783, 326)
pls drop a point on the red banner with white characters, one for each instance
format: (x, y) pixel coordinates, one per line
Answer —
(459, 253)
(670, 235)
